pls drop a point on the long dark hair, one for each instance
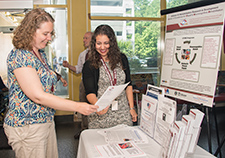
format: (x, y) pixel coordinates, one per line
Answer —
(114, 54)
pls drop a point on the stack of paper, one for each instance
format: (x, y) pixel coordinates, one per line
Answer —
(198, 116)
(184, 134)
(177, 139)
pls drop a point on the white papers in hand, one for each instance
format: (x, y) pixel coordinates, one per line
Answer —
(109, 95)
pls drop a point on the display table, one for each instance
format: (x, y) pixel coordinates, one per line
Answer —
(89, 138)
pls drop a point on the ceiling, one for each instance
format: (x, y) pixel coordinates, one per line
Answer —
(11, 18)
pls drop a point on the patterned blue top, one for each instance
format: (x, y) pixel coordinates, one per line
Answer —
(22, 110)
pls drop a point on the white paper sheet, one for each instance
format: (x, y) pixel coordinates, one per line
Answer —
(165, 117)
(109, 95)
(124, 133)
(148, 114)
(120, 150)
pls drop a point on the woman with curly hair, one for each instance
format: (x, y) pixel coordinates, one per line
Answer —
(107, 66)
(29, 122)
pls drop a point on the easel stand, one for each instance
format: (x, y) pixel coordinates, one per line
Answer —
(206, 110)
(220, 146)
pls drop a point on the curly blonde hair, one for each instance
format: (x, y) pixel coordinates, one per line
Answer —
(24, 33)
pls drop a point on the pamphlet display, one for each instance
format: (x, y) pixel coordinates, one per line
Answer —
(157, 115)
(185, 134)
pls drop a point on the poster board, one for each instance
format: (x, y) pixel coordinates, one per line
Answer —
(191, 57)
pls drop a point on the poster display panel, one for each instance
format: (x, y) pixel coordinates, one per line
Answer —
(191, 58)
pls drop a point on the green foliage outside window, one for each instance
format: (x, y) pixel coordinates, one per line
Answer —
(145, 53)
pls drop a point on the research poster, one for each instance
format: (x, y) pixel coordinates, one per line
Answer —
(191, 57)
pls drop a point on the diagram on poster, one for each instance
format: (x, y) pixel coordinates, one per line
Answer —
(191, 57)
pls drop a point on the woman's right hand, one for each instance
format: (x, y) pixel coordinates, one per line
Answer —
(87, 109)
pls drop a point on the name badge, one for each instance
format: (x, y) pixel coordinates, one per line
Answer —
(115, 105)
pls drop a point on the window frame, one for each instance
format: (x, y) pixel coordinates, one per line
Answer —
(161, 19)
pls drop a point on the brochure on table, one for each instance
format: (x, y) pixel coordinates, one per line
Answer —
(166, 114)
(124, 149)
(148, 114)
(123, 133)
(122, 141)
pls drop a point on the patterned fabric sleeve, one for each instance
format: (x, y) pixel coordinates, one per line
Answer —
(19, 58)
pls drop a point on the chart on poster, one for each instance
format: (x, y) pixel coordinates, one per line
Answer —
(191, 58)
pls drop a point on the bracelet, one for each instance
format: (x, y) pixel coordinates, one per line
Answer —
(132, 108)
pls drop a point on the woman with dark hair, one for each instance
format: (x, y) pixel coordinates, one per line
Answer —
(29, 122)
(107, 66)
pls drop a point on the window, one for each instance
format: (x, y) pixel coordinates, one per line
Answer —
(57, 51)
(176, 3)
(139, 39)
(128, 11)
(118, 33)
(129, 23)
(53, 2)
(106, 3)
(141, 45)
(129, 35)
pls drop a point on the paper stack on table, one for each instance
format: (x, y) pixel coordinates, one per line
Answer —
(185, 134)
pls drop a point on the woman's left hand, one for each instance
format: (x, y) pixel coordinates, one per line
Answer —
(103, 111)
(133, 114)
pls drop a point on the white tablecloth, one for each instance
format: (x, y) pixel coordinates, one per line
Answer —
(89, 138)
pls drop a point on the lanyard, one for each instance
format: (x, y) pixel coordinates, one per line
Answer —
(45, 65)
(112, 80)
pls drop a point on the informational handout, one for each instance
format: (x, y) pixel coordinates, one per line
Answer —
(191, 58)
(165, 117)
(124, 133)
(148, 114)
(120, 150)
(154, 91)
(109, 95)
(122, 142)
